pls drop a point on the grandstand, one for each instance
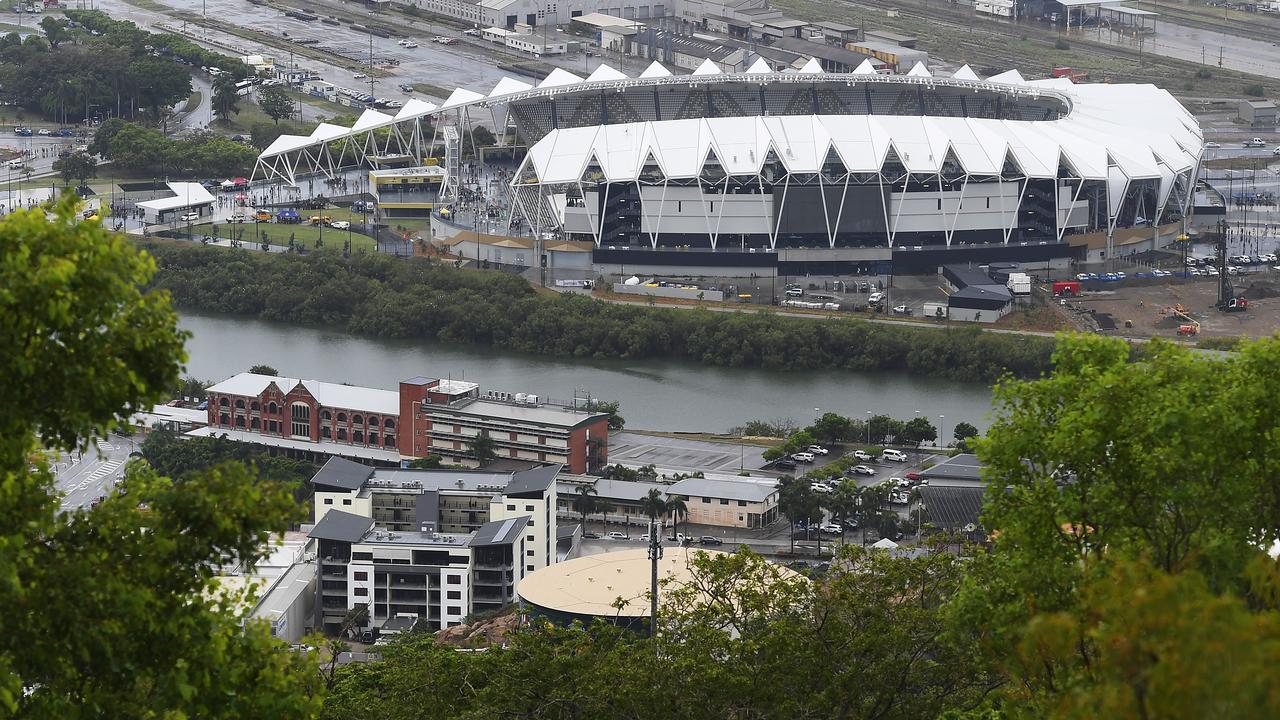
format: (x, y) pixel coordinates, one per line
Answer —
(801, 172)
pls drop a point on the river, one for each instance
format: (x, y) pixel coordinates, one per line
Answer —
(655, 395)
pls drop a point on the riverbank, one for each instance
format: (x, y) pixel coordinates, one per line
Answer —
(384, 297)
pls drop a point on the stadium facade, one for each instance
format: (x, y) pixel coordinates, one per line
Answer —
(805, 172)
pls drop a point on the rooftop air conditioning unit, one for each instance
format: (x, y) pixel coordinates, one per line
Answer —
(533, 399)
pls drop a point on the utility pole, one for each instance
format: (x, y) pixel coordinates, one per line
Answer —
(655, 554)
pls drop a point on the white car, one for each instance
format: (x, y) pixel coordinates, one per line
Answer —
(190, 217)
(804, 457)
(44, 132)
(615, 535)
(238, 218)
(1211, 145)
(875, 298)
(340, 225)
(644, 538)
(829, 528)
(895, 455)
(861, 455)
(863, 470)
(360, 76)
(818, 450)
(820, 487)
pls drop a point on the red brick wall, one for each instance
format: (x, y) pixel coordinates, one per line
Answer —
(408, 425)
(599, 432)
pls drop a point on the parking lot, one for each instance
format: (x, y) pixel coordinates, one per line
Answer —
(682, 455)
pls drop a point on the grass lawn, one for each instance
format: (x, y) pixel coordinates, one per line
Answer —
(193, 102)
(305, 234)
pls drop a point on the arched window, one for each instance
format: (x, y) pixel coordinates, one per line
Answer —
(342, 417)
(272, 408)
(342, 433)
(224, 419)
(357, 436)
(255, 423)
(239, 404)
(325, 415)
(373, 438)
(357, 420)
(325, 433)
(239, 421)
(389, 424)
(254, 405)
(389, 441)
(300, 419)
(223, 402)
(373, 421)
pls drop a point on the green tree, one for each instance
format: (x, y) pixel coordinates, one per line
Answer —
(483, 449)
(585, 502)
(264, 370)
(84, 345)
(226, 99)
(430, 462)
(78, 166)
(610, 407)
(916, 431)
(676, 509)
(159, 83)
(883, 427)
(653, 505)
(1160, 470)
(832, 428)
(55, 30)
(262, 134)
(275, 102)
(842, 503)
(798, 503)
(964, 431)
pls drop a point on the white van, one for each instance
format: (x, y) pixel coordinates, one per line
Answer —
(16, 163)
(892, 454)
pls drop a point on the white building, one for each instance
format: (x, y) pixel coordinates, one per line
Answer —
(188, 197)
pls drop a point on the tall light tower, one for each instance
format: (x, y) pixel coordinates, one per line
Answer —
(655, 554)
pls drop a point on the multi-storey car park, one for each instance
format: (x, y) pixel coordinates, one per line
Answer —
(799, 172)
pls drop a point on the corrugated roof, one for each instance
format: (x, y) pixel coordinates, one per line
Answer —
(748, 490)
(333, 395)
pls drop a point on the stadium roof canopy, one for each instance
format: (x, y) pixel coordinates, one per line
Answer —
(1107, 132)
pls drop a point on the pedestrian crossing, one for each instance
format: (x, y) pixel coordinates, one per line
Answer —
(103, 470)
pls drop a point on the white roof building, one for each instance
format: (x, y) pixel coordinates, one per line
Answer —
(185, 195)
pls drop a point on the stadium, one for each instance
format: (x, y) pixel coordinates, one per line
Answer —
(767, 173)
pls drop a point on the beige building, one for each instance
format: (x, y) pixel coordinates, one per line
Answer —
(739, 502)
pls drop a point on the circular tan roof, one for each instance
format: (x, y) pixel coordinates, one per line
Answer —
(591, 585)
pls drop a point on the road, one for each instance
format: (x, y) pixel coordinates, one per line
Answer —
(82, 479)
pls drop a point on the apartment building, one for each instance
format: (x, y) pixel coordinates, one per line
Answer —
(316, 419)
(435, 577)
(456, 502)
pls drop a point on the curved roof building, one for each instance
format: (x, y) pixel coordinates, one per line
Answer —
(610, 586)
(812, 172)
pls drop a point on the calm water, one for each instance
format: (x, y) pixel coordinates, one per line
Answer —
(656, 395)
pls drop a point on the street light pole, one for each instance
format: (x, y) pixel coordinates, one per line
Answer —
(941, 426)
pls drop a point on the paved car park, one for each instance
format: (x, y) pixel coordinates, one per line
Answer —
(683, 455)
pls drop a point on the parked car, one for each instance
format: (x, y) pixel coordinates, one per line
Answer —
(863, 470)
(784, 464)
(190, 217)
(861, 455)
(710, 540)
(44, 132)
(238, 218)
(901, 310)
(340, 225)
(804, 457)
(615, 535)
(894, 455)
(1211, 145)
(1255, 143)
(644, 538)
(913, 476)
(795, 292)
(817, 450)
(875, 298)
(820, 487)
(590, 536)
(830, 528)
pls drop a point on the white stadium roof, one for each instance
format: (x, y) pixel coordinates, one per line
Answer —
(1110, 132)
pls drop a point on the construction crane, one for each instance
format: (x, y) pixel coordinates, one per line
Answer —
(1228, 301)
(1190, 326)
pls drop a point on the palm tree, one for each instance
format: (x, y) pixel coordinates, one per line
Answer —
(677, 509)
(585, 502)
(482, 447)
(653, 505)
(843, 504)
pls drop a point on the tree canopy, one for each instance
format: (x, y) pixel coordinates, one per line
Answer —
(109, 611)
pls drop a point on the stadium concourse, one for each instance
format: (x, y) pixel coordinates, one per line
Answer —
(767, 174)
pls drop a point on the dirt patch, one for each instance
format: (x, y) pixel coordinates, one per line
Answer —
(1146, 311)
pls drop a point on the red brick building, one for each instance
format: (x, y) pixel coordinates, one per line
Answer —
(426, 416)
